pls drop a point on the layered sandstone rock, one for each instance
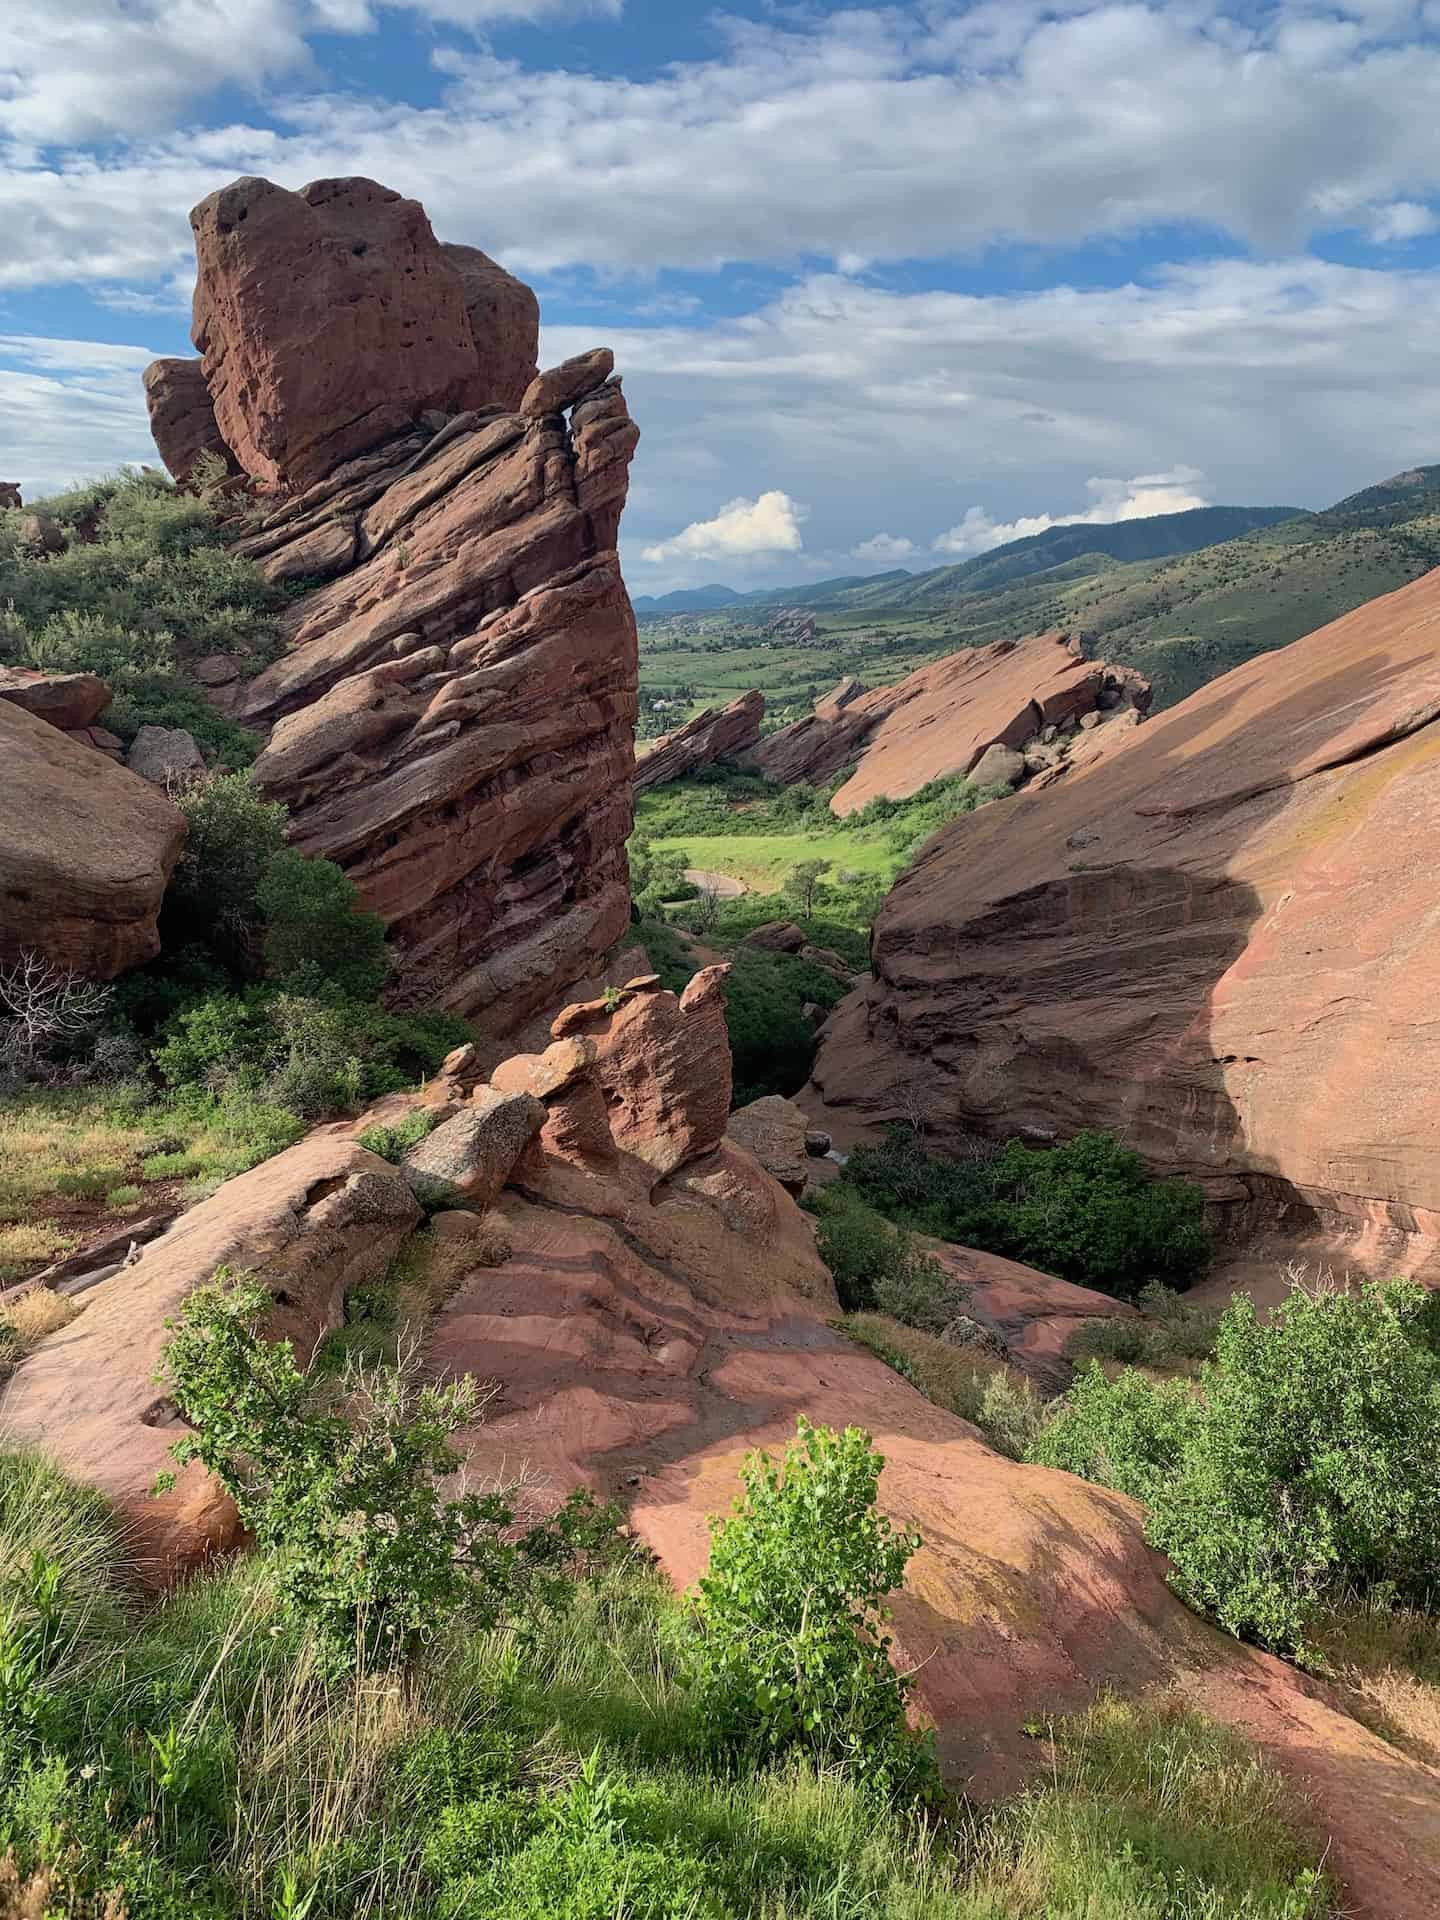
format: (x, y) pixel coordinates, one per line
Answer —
(452, 720)
(70, 701)
(942, 720)
(329, 319)
(1216, 944)
(87, 851)
(315, 1221)
(719, 733)
(182, 417)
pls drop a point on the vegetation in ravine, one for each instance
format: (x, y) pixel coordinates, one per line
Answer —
(1295, 1473)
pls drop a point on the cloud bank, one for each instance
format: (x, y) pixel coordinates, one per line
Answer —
(1111, 501)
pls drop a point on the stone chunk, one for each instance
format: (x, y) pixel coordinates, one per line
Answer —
(70, 701)
(560, 387)
(163, 754)
(998, 767)
(182, 416)
(776, 936)
(774, 1131)
(504, 320)
(473, 1154)
(544, 1074)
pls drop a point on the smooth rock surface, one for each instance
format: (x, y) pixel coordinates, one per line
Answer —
(86, 852)
(1215, 943)
(182, 417)
(70, 701)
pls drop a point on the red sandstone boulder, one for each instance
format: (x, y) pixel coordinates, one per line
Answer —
(86, 853)
(504, 320)
(774, 1130)
(182, 417)
(70, 701)
(719, 733)
(315, 1221)
(1214, 943)
(560, 387)
(941, 720)
(327, 319)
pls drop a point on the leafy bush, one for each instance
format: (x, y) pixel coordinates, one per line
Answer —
(1088, 1211)
(1172, 1333)
(1302, 1464)
(979, 1388)
(231, 837)
(772, 1044)
(338, 1482)
(143, 587)
(315, 930)
(875, 1265)
(393, 1143)
(792, 1647)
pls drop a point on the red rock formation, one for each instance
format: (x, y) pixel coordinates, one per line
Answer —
(328, 320)
(182, 417)
(453, 718)
(941, 719)
(70, 701)
(1216, 943)
(719, 733)
(504, 320)
(86, 853)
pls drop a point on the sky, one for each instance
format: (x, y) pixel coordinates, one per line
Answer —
(888, 285)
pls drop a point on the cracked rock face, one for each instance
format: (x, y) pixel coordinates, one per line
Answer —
(1218, 943)
(942, 719)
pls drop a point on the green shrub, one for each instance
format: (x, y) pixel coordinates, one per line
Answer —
(1301, 1465)
(393, 1143)
(339, 1483)
(772, 1044)
(231, 837)
(793, 1648)
(315, 928)
(859, 1246)
(1172, 1333)
(1088, 1211)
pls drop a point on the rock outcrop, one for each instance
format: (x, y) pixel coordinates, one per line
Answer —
(87, 851)
(719, 733)
(942, 720)
(70, 701)
(774, 1131)
(315, 1221)
(1217, 944)
(452, 719)
(182, 417)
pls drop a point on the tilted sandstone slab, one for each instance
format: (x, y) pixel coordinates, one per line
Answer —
(940, 720)
(310, 1224)
(453, 718)
(719, 733)
(85, 855)
(1217, 943)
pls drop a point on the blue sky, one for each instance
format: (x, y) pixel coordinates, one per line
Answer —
(887, 284)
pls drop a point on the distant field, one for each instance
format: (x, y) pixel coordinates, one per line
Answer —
(763, 860)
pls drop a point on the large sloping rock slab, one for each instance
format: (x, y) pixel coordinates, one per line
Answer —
(1217, 943)
(85, 855)
(310, 1224)
(940, 720)
(327, 320)
(719, 733)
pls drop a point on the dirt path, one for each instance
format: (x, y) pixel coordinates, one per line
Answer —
(724, 885)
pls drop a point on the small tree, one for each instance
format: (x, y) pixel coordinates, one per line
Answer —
(315, 928)
(339, 1482)
(804, 884)
(793, 1648)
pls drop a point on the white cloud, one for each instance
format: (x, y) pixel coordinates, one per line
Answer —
(769, 524)
(887, 548)
(1402, 220)
(70, 409)
(861, 136)
(1110, 501)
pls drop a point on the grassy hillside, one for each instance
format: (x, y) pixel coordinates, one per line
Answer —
(1182, 619)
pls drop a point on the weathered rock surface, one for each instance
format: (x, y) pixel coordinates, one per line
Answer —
(1215, 943)
(941, 720)
(164, 754)
(773, 1130)
(558, 388)
(472, 1155)
(85, 855)
(70, 701)
(182, 416)
(504, 317)
(327, 320)
(310, 1224)
(1031, 1315)
(719, 733)
(777, 936)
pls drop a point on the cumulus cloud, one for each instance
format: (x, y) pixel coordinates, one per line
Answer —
(768, 524)
(887, 549)
(1402, 220)
(1110, 501)
(840, 135)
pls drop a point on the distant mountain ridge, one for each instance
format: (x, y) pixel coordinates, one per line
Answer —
(1154, 537)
